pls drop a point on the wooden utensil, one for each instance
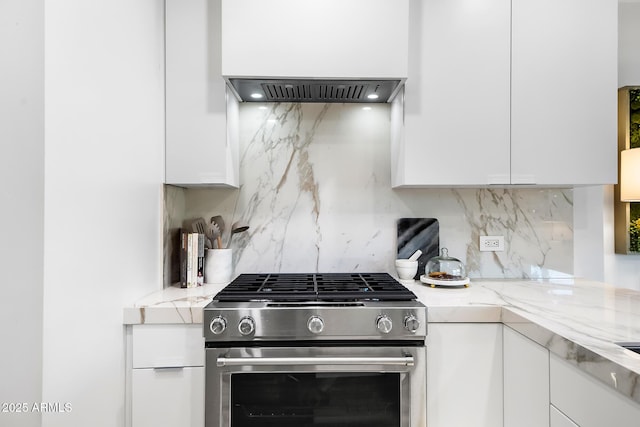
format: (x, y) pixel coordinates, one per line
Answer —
(219, 222)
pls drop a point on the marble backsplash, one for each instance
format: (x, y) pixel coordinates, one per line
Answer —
(316, 193)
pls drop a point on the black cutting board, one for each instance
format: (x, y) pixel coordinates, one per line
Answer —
(418, 233)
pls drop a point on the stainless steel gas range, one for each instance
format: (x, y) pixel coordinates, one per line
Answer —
(315, 350)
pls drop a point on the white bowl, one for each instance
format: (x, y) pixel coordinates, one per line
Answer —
(406, 269)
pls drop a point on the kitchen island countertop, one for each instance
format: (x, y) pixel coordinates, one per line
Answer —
(578, 320)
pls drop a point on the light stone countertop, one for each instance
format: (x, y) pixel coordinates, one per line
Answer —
(171, 305)
(578, 320)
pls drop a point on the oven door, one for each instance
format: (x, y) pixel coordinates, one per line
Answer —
(315, 386)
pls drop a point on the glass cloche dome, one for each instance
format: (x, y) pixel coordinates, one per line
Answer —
(444, 270)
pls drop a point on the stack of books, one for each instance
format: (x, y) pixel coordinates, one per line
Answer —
(191, 259)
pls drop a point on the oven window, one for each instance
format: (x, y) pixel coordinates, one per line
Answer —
(315, 399)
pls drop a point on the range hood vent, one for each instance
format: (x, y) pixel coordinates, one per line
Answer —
(311, 90)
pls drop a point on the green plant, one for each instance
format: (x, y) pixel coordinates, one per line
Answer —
(634, 236)
(634, 118)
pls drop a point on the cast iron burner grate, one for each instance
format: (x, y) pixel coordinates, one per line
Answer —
(315, 287)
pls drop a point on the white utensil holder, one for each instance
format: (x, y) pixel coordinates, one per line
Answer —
(218, 266)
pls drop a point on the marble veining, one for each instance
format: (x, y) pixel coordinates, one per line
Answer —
(577, 320)
(171, 305)
(279, 180)
(316, 192)
(535, 229)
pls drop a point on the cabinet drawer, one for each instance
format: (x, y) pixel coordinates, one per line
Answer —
(587, 401)
(164, 346)
(168, 397)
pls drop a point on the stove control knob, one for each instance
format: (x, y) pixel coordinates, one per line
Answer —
(384, 324)
(315, 324)
(411, 323)
(246, 326)
(218, 325)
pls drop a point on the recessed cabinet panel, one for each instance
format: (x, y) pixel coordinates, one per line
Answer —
(456, 110)
(198, 148)
(564, 92)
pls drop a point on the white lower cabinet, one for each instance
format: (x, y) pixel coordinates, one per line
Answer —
(166, 376)
(168, 397)
(526, 381)
(587, 401)
(478, 375)
(464, 375)
(558, 419)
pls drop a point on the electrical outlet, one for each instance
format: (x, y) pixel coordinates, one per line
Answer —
(491, 243)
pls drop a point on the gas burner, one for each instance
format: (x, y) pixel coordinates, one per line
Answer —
(345, 287)
(285, 308)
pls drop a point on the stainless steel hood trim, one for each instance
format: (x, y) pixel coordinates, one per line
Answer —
(315, 90)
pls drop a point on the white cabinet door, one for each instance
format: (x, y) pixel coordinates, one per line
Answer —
(464, 375)
(558, 419)
(526, 381)
(201, 143)
(587, 401)
(168, 397)
(455, 129)
(564, 92)
(166, 346)
(502, 92)
(327, 39)
(166, 375)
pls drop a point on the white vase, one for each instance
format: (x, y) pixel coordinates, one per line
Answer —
(218, 266)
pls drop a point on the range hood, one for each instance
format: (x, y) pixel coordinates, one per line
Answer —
(315, 90)
(315, 51)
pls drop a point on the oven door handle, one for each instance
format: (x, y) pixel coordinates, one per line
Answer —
(305, 361)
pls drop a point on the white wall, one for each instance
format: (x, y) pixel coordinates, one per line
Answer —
(620, 270)
(104, 116)
(588, 232)
(21, 205)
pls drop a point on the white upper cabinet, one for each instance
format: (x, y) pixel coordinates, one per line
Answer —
(507, 93)
(564, 92)
(456, 106)
(201, 120)
(315, 39)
